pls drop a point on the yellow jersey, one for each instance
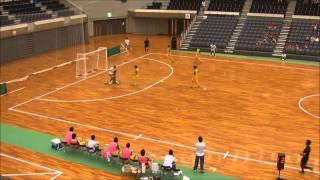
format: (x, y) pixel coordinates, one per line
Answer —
(198, 52)
(168, 51)
(195, 72)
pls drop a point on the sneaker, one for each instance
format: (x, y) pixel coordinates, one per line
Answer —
(301, 172)
(195, 171)
(201, 171)
(178, 173)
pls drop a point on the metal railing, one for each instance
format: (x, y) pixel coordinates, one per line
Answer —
(186, 32)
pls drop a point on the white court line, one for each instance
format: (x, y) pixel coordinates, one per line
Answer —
(16, 90)
(303, 109)
(248, 63)
(213, 169)
(154, 140)
(186, 162)
(115, 97)
(226, 155)
(130, 135)
(53, 171)
(73, 83)
(74, 122)
(48, 69)
(28, 174)
(137, 137)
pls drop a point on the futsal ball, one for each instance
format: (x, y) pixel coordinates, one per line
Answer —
(14, 33)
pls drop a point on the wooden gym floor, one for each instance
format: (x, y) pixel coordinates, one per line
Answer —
(246, 110)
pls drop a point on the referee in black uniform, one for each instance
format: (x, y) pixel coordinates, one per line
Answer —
(146, 45)
(305, 157)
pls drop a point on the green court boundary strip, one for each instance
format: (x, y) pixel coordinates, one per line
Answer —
(40, 143)
(113, 51)
(260, 58)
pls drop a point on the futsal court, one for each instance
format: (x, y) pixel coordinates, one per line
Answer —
(246, 110)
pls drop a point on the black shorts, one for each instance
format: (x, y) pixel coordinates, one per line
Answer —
(304, 161)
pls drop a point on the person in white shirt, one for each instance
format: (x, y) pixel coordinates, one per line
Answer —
(169, 161)
(92, 144)
(113, 75)
(203, 4)
(110, 73)
(283, 56)
(213, 48)
(200, 146)
(127, 43)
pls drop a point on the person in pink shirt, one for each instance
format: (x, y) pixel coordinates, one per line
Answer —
(112, 150)
(113, 147)
(143, 159)
(68, 136)
(74, 141)
(126, 153)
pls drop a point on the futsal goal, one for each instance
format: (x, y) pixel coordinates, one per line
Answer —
(91, 62)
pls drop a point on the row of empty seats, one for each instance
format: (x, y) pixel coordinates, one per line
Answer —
(269, 6)
(155, 5)
(303, 7)
(26, 11)
(226, 5)
(33, 17)
(303, 38)
(259, 34)
(214, 29)
(308, 7)
(22, 8)
(53, 5)
(13, 2)
(185, 4)
(4, 20)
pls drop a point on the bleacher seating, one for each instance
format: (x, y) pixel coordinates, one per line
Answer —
(214, 29)
(269, 6)
(226, 5)
(4, 20)
(13, 2)
(29, 11)
(33, 17)
(65, 12)
(303, 38)
(259, 34)
(22, 8)
(155, 5)
(308, 8)
(184, 4)
(53, 5)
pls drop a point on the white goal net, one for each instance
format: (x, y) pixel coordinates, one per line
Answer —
(91, 62)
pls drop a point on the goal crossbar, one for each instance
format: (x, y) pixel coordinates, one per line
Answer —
(91, 62)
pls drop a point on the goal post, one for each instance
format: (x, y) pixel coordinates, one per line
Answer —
(91, 62)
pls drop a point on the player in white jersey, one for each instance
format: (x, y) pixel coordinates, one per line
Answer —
(213, 49)
(127, 43)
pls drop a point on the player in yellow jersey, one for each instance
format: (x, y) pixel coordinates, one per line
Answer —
(168, 51)
(195, 80)
(136, 74)
(169, 54)
(198, 54)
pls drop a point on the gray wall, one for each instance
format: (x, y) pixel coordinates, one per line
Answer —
(98, 9)
(147, 25)
(109, 27)
(40, 42)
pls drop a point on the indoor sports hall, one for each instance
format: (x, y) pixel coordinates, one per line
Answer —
(160, 89)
